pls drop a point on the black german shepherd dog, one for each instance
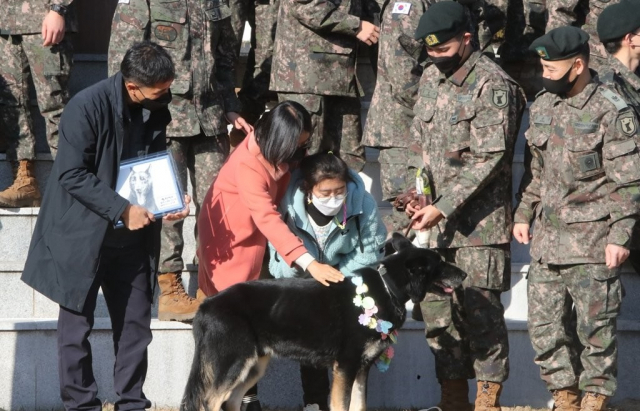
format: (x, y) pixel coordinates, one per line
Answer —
(238, 331)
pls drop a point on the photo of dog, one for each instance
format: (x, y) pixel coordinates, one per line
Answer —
(237, 331)
(141, 186)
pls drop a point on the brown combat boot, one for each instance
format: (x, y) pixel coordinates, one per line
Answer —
(200, 295)
(488, 396)
(455, 396)
(594, 402)
(174, 304)
(566, 399)
(24, 191)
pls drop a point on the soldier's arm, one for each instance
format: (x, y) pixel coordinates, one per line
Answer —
(490, 135)
(561, 13)
(528, 195)
(65, 3)
(620, 160)
(324, 16)
(225, 61)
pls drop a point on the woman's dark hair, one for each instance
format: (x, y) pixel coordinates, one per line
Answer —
(278, 131)
(613, 46)
(322, 166)
(147, 64)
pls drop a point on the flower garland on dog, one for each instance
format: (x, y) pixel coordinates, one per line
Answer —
(371, 320)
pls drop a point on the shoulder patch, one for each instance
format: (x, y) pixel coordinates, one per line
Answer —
(500, 98)
(614, 98)
(628, 125)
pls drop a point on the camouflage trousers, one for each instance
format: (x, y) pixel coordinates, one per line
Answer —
(24, 58)
(262, 16)
(596, 294)
(397, 175)
(336, 123)
(466, 331)
(199, 158)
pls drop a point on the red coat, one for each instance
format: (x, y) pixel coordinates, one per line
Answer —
(239, 214)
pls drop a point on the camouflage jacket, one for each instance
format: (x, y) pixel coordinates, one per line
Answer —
(316, 46)
(400, 66)
(468, 124)
(25, 16)
(624, 81)
(580, 13)
(581, 181)
(199, 37)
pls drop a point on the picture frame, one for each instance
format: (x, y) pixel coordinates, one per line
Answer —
(151, 182)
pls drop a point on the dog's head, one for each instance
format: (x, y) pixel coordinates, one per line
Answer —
(415, 271)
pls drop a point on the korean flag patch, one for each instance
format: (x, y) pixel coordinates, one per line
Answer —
(401, 8)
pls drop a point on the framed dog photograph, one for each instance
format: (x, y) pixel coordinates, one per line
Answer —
(151, 182)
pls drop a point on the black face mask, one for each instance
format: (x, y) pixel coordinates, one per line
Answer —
(157, 104)
(560, 86)
(448, 64)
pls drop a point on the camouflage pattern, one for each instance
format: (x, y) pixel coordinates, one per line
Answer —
(200, 39)
(202, 157)
(581, 184)
(262, 16)
(468, 123)
(583, 14)
(466, 331)
(336, 124)
(25, 16)
(596, 293)
(25, 59)
(625, 82)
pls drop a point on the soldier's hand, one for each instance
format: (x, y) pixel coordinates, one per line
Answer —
(426, 218)
(238, 122)
(521, 233)
(136, 217)
(182, 214)
(368, 33)
(615, 255)
(52, 29)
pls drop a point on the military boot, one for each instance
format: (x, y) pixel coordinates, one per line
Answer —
(594, 402)
(566, 399)
(200, 295)
(174, 304)
(24, 191)
(488, 396)
(455, 396)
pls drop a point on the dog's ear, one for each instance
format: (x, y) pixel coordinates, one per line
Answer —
(400, 242)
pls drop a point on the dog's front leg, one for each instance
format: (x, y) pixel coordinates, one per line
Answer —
(344, 376)
(359, 391)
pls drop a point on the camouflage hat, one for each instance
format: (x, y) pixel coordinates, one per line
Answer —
(441, 22)
(560, 43)
(617, 20)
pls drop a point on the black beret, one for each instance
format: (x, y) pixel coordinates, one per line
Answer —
(441, 22)
(619, 19)
(560, 43)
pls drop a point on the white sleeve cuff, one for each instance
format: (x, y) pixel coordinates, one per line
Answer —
(304, 261)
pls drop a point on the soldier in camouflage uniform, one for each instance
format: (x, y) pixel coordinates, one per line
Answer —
(33, 45)
(467, 117)
(199, 37)
(581, 189)
(314, 64)
(401, 62)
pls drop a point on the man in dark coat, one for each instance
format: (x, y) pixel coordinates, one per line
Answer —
(76, 247)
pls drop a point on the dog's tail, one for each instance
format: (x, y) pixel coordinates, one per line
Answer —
(201, 374)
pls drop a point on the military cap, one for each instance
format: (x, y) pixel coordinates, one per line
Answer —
(560, 43)
(619, 19)
(441, 22)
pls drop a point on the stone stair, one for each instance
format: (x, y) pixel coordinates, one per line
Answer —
(28, 371)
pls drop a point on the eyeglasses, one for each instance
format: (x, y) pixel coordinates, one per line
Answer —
(338, 197)
(306, 145)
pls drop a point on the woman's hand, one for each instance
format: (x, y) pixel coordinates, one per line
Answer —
(182, 214)
(324, 273)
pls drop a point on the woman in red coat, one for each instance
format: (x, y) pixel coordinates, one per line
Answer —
(239, 213)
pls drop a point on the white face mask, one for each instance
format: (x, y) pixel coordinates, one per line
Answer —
(328, 206)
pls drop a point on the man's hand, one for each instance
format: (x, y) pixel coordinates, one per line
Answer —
(521, 233)
(52, 29)
(136, 217)
(180, 215)
(615, 255)
(324, 273)
(426, 218)
(368, 33)
(238, 122)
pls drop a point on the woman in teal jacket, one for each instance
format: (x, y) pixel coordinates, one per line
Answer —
(328, 207)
